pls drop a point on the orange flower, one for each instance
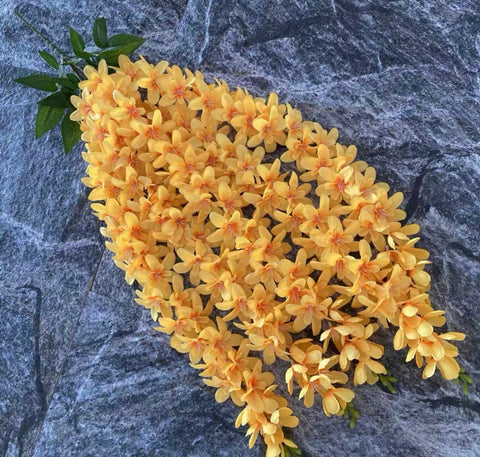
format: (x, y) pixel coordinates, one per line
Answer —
(157, 130)
(152, 79)
(270, 130)
(228, 229)
(207, 227)
(309, 312)
(175, 88)
(192, 261)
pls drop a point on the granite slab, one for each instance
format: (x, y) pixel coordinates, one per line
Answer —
(81, 371)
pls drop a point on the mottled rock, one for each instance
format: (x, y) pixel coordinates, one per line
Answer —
(399, 79)
(20, 368)
(43, 286)
(50, 247)
(125, 392)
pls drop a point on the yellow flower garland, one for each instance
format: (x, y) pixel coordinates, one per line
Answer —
(214, 234)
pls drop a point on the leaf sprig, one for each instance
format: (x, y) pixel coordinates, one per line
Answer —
(464, 379)
(57, 106)
(387, 381)
(292, 451)
(352, 414)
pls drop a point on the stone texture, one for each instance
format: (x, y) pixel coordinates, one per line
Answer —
(83, 374)
(124, 391)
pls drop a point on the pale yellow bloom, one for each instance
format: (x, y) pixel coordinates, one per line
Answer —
(235, 255)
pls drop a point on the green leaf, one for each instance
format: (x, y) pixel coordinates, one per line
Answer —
(83, 54)
(129, 48)
(351, 413)
(73, 78)
(78, 45)
(56, 100)
(111, 55)
(387, 381)
(47, 118)
(67, 84)
(465, 379)
(49, 59)
(292, 451)
(71, 133)
(100, 32)
(123, 39)
(38, 81)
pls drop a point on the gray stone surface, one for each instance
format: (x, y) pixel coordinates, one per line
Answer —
(81, 372)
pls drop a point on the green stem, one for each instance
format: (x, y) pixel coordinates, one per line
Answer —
(41, 35)
(77, 71)
(65, 58)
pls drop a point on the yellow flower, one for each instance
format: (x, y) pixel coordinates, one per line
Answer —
(237, 362)
(268, 273)
(219, 341)
(245, 163)
(256, 383)
(209, 97)
(127, 107)
(133, 185)
(180, 168)
(299, 149)
(316, 218)
(128, 68)
(365, 268)
(157, 130)
(292, 291)
(243, 121)
(270, 130)
(154, 300)
(175, 88)
(192, 261)
(227, 229)
(302, 362)
(208, 228)
(293, 119)
(159, 149)
(336, 239)
(335, 400)
(299, 269)
(309, 312)
(289, 223)
(237, 305)
(192, 309)
(224, 388)
(83, 106)
(228, 199)
(97, 129)
(94, 76)
(174, 226)
(267, 249)
(152, 79)
(335, 184)
(315, 165)
(292, 192)
(284, 418)
(158, 275)
(269, 345)
(260, 303)
(216, 285)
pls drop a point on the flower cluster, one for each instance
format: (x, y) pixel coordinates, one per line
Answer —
(236, 258)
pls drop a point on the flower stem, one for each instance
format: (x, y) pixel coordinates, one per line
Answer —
(40, 34)
(65, 58)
